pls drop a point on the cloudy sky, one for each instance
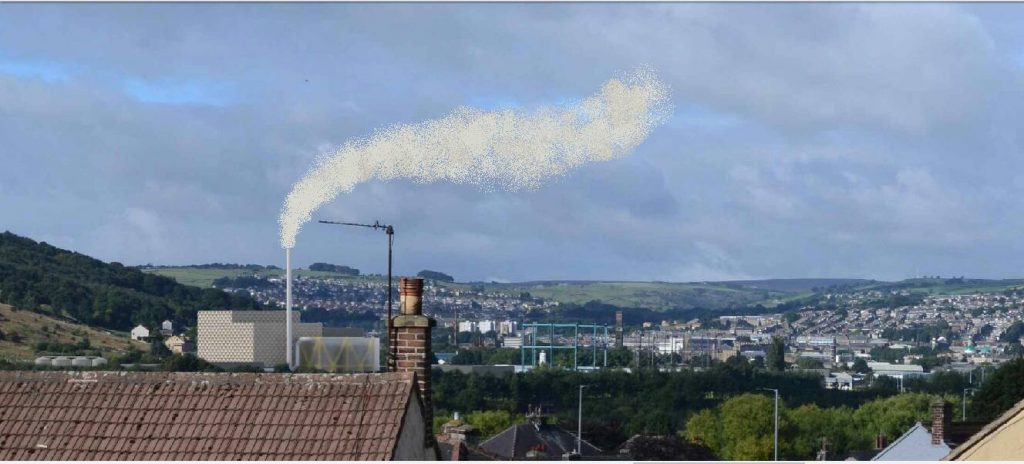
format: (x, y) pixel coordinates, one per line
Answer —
(808, 140)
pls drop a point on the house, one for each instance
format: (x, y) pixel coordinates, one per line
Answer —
(999, 440)
(457, 442)
(167, 328)
(179, 345)
(914, 445)
(188, 416)
(158, 416)
(140, 333)
(926, 442)
(536, 439)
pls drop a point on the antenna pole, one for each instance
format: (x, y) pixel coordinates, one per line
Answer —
(390, 231)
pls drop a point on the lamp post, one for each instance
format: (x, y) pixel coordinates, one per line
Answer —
(776, 419)
(579, 424)
(963, 416)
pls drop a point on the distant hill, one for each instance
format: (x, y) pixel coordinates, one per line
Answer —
(326, 267)
(800, 285)
(39, 277)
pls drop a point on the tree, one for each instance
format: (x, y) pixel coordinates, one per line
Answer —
(489, 423)
(860, 366)
(435, 275)
(775, 359)
(748, 426)
(1001, 390)
(809, 363)
(668, 448)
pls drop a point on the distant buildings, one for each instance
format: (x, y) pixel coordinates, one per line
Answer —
(179, 345)
(248, 337)
(140, 333)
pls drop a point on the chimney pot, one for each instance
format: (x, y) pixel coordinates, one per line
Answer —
(411, 296)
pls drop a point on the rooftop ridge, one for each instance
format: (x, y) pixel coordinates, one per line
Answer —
(203, 377)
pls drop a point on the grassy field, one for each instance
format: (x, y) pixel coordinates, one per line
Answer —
(34, 328)
(205, 277)
(653, 295)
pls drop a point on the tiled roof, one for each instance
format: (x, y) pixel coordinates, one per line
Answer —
(549, 441)
(201, 416)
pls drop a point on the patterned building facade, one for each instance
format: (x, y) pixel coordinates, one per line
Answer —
(248, 337)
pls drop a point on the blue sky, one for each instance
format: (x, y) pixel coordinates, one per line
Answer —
(808, 140)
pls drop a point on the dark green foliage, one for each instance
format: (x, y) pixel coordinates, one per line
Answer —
(618, 404)
(809, 363)
(921, 333)
(487, 356)
(435, 275)
(46, 279)
(187, 363)
(1001, 390)
(860, 366)
(668, 448)
(775, 359)
(336, 268)
(82, 348)
(1013, 332)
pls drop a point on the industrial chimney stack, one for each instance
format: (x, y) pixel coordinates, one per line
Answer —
(410, 340)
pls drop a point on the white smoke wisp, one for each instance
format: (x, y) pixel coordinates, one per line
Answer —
(508, 149)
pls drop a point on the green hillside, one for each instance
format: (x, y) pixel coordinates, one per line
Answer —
(39, 277)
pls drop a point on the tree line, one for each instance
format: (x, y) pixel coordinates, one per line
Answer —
(39, 277)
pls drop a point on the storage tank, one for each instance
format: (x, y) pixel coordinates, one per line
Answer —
(81, 361)
(97, 362)
(61, 361)
(44, 361)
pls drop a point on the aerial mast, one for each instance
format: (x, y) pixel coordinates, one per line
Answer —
(390, 231)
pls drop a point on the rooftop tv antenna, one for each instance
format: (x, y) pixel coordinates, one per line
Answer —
(390, 231)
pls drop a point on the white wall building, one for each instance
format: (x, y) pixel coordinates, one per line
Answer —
(507, 327)
(140, 333)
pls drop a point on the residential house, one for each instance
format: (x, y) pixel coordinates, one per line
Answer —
(928, 442)
(188, 416)
(167, 328)
(179, 345)
(1000, 440)
(536, 439)
(140, 333)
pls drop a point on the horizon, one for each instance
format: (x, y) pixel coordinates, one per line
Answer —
(873, 141)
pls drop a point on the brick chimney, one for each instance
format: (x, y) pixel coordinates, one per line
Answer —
(411, 341)
(942, 420)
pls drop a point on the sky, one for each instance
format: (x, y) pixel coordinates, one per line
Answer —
(807, 140)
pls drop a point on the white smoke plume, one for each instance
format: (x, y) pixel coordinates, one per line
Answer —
(506, 149)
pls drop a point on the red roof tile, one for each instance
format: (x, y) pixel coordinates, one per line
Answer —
(189, 416)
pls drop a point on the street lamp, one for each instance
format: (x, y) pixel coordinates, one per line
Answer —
(963, 417)
(579, 424)
(776, 419)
